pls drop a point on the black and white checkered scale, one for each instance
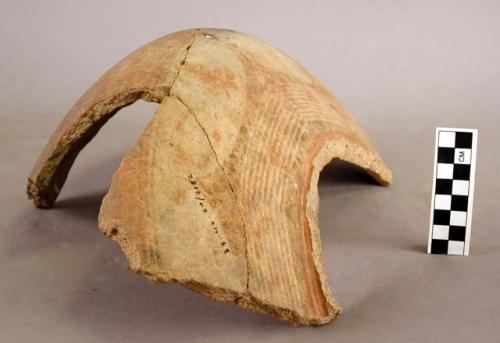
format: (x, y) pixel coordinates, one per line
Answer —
(449, 217)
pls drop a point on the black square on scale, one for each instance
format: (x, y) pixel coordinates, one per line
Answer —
(463, 140)
(446, 155)
(461, 171)
(443, 186)
(457, 233)
(441, 217)
(459, 202)
(439, 246)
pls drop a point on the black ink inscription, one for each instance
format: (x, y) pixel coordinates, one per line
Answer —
(201, 202)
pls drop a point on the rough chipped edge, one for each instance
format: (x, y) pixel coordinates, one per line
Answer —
(220, 294)
(353, 153)
(44, 187)
(243, 300)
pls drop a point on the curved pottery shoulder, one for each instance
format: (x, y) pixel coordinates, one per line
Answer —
(220, 192)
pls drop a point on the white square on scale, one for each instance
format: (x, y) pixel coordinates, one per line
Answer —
(458, 218)
(445, 171)
(460, 187)
(446, 139)
(442, 202)
(455, 248)
(440, 232)
(462, 156)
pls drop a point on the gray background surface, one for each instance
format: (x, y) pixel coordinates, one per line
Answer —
(402, 68)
